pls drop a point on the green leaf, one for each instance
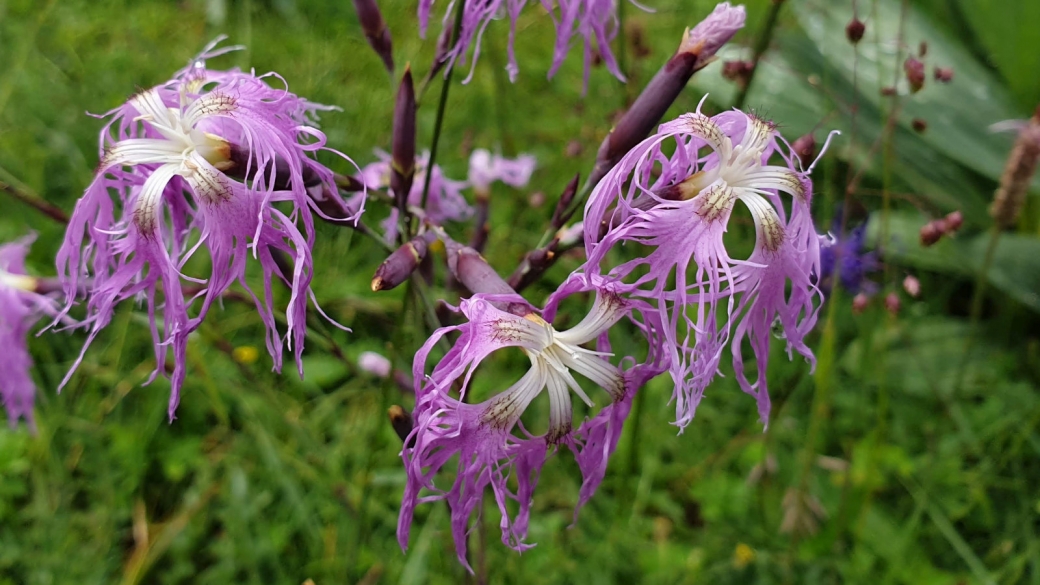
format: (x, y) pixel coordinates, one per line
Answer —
(1016, 262)
(1008, 32)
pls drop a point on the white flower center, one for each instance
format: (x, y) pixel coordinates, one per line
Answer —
(183, 151)
(554, 356)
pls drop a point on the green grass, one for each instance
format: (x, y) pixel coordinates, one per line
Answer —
(889, 468)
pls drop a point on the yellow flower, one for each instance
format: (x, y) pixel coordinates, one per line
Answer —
(743, 555)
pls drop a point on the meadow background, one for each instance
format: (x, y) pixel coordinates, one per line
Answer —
(912, 455)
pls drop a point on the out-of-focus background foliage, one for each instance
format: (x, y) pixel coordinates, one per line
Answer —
(912, 455)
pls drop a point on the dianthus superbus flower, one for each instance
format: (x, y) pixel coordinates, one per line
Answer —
(492, 446)
(199, 161)
(675, 192)
(20, 307)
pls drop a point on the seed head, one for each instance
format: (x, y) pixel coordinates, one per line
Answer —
(854, 30)
(914, 70)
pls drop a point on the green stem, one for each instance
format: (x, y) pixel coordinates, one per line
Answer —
(977, 299)
(438, 123)
(761, 44)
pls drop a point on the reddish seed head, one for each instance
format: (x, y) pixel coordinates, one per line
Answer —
(911, 285)
(737, 71)
(854, 30)
(892, 303)
(805, 149)
(919, 125)
(930, 234)
(943, 74)
(859, 303)
(954, 220)
(914, 70)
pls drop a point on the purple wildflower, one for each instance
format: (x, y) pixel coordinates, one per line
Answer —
(374, 363)
(445, 201)
(594, 20)
(20, 307)
(198, 161)
(846, 259)
(679, 205)
(482, 435)
(486, 168)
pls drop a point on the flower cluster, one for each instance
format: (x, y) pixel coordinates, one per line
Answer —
(663, 206)
(675, 193)
(20, 307)
(199, 161)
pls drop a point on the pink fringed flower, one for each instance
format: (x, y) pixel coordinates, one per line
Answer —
(444, 202)
(679, 205)
(200, 161)
(492, 446)
(20, 307)
(486, 168)
(594, 20)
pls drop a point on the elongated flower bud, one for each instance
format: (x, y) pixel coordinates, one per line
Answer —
(697, 49)
(562, 214)
(376, 31)
(470, 269)
(402, 262)
(402, 163)
(1018, 172)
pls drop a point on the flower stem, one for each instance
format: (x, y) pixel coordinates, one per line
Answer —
(977, 298)
(761, 44)
(35, 201)
(441, 107)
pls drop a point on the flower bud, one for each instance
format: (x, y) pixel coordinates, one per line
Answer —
(953, 221)
(375, 30)
(854, 30)
(402, 162)
(943, 74)
(930, 233)
(911, 285)
(562, 214)
(402, 262)
(738, 71)
(705, 39)
(401, 421)
(892, 303)
(373, 363)
(859, 303)
(914, 71)
(918, 125)
(470, 269)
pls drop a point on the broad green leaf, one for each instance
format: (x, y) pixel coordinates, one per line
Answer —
(958, 114)
(1008, 32)
(1016, 262)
